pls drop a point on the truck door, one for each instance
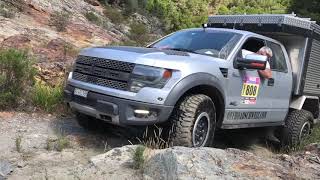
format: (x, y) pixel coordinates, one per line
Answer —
(282, 80)
(249, 99)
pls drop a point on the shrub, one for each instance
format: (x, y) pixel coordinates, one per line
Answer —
(114, 15)
(138, 157)
(92, 17)
(131, 7)
(313, 138)
(62, 143)
(19, 5)
(180, 14)
(7, 12)
(139, 33)
(16, 73)
(46, 97)
(59, 20)
(18, 144)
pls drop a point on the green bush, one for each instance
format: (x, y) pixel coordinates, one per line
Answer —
(139, 34)
(180, 14)
(131, 6)
(138, 157)
(7, 12)
(62, 143)
(59, 20)
(46, 97)
(19, 5)
(313, 138)
(306, 8)
(254, 7)
(92, 17)
(16, 75)
(114, 15)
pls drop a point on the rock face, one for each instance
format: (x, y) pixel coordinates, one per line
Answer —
(206, 163)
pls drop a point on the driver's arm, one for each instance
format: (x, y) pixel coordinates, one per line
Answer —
(267, 72)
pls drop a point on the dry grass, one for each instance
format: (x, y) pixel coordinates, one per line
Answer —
(46, 97)
(62, 143)
(153, 138)
(313, 138)
(18, 144)
(60, 20)
(58, 144)
(50, 144)
(261, 151)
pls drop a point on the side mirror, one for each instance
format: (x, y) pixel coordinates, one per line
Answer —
(252, 61)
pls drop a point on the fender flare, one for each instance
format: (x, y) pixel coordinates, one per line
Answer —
(310, 103)
(190, 82)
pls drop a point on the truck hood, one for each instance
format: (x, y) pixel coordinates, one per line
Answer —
(150, 56)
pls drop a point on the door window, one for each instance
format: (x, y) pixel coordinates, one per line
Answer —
(278, 60)
(251, 46)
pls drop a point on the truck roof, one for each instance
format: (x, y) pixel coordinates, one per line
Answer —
(268, 23)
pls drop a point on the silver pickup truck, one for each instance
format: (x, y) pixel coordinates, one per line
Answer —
(199, 80)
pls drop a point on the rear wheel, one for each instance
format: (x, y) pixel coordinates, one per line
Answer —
(194, 121)
(297, 127)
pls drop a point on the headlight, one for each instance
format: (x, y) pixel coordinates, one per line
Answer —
(147, 76)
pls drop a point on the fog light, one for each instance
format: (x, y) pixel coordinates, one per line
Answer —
(146, 114)
(142, 112)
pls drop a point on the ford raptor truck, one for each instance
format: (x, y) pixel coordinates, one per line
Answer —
(198, 80)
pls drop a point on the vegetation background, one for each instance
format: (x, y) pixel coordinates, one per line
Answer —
(179, 14)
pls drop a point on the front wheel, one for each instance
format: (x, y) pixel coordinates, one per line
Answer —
(194, 121)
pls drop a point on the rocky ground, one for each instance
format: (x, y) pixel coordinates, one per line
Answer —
(37, 132)
(102, 155)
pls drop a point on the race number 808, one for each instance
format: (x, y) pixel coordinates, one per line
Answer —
(250, 90)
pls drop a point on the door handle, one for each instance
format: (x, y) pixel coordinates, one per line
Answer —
(271, 82)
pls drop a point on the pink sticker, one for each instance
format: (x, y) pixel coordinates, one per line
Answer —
(251, 80)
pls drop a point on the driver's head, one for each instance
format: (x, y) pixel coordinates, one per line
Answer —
(265, 51)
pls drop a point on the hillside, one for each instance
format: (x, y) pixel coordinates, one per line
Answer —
(32, 24)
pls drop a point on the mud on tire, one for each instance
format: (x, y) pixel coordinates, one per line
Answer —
(193, 115)
(297, 126)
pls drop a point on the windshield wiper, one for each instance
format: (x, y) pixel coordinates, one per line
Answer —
(182, 49)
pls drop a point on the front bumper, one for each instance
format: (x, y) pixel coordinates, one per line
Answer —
(116, 110)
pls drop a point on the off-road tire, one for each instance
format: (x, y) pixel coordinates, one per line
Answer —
(291, 132)
(87, 122)
(184, 117)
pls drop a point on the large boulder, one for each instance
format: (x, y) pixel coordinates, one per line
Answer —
(201, 163)
(210, 163)
(115, 164)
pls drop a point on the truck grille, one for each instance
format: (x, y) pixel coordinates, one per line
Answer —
(103, 72)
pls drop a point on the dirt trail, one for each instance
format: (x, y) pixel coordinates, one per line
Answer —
(35, 132)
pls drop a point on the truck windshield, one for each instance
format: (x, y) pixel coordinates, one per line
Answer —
(209, 42)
